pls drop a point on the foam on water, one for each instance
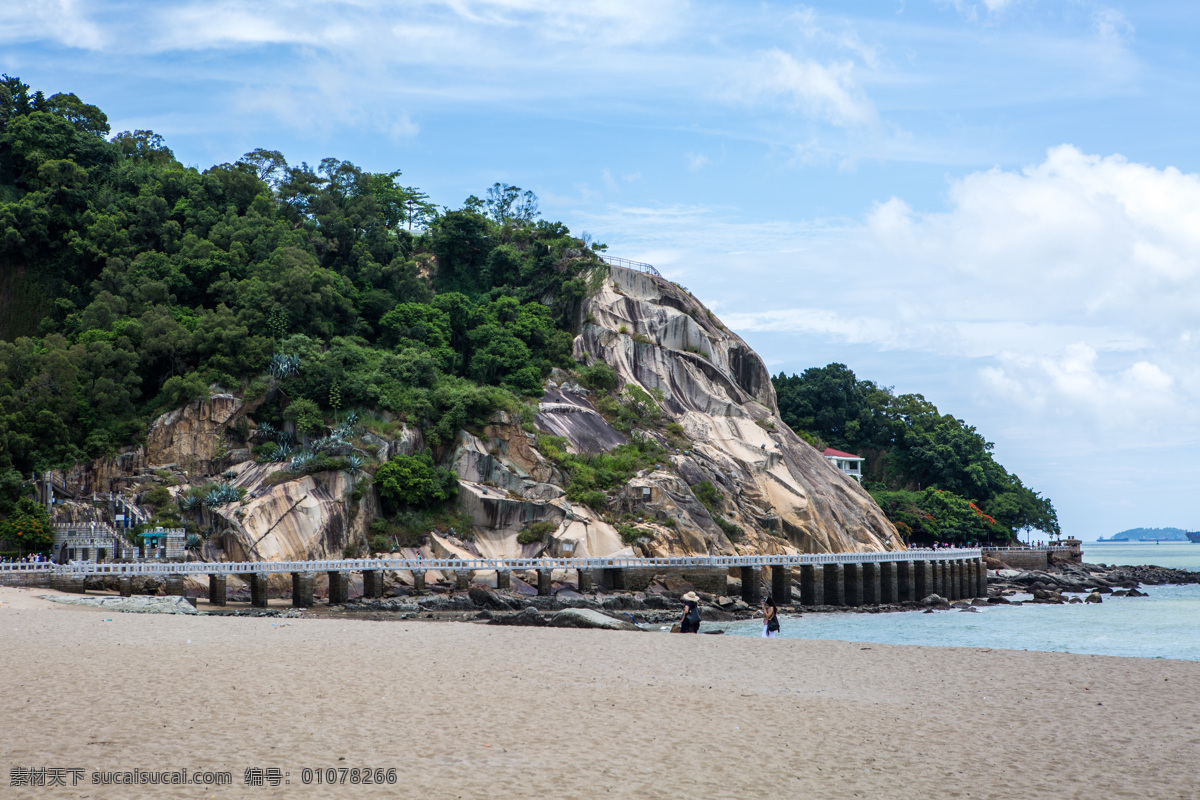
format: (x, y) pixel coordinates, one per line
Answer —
(1164, 625)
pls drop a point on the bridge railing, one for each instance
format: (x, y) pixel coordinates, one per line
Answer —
(85, 568)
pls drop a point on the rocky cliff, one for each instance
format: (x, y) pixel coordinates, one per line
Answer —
(773, 492)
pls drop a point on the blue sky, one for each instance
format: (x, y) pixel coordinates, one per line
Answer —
(993, 203)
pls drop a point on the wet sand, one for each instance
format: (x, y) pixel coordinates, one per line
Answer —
(472, 711)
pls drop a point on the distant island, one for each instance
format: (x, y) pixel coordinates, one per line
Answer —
(1147, 535)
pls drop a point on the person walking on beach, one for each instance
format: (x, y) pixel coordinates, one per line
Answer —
(690, 622)
(770, 618)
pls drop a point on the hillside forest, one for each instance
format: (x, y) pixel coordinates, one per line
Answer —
(931, 473)
(131, 285)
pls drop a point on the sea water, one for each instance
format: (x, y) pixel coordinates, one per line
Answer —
(1164, 625)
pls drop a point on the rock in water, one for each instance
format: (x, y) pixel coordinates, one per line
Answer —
(587, 618)
(1094, 597)
(936, 600)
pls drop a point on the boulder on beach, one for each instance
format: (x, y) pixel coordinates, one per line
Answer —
(587, 618)
(527, 616)
(935, 600)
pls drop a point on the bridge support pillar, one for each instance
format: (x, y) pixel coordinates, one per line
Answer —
(587, 581)
(956, 579)
(545, 589)
(372, 583)
(339, 587)
(217, 593)
(872, 584)
(947, 580)
(616, 577)
(752, 585)
(983, 592)
(922, 580)
(906, 581)
(418, 576)
(258, 589)
(889, 591)
(854, 584)
(970, 579)
(302, 589)
(503, 579)
(462, 580)
(126, 586)
(938, 585)
(812, 585)
(174, 586)
(835, 585)
(781, 584)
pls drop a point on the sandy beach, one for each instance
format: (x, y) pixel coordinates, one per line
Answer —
(470, 711)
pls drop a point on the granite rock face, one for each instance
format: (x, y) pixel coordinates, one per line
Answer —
(774, 492)
(778, 489)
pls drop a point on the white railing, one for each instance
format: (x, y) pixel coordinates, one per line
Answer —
(84, 568)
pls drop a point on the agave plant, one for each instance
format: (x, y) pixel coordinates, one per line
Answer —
(189, 503)
(284, 366)
(194, 542)
(266, 431)
(301, 460)
(229, 474)
(355, 463)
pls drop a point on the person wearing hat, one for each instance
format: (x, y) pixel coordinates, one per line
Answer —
(690, 623)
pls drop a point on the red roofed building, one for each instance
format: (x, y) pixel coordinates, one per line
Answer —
(846, 462)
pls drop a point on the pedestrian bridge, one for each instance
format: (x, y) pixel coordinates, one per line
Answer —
(824, 578)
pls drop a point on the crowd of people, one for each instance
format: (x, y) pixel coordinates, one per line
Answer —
(32, 558)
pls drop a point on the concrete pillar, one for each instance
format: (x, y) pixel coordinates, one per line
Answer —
(956, 579)
(587, 581)
(752, 585)
(372, 583)
(923, 583)
(968, 579)
(854, 584)
(503, 579)
(947, 580)
(938, 586)
(174, 586)
(812, 585)
(616, 578)
(544, 587)
(418, 581)
(781, 584)
(462, 580)
(983, 592)
(905, 576)
(126, 586)
(339, 587)
(889, 585)
(217, 593)
(872, 584)
(835, 585)
(258, 589)
(302, 589)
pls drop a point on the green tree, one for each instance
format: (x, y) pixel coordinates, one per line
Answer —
(414, 482)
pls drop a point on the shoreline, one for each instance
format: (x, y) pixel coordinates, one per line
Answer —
(478, 710)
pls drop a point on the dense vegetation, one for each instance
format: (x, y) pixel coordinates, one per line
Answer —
(131, 284)
(931, 473)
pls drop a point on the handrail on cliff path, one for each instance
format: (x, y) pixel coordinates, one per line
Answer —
(639, 266)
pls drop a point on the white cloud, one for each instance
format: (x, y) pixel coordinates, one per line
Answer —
(828, 91)
(696, 161)
(1069, 288)
(66, 22)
